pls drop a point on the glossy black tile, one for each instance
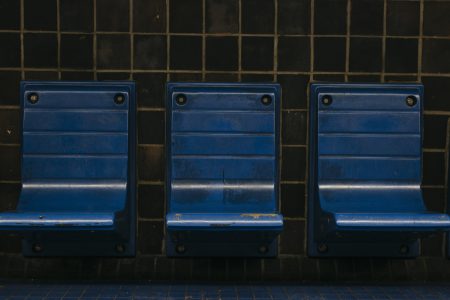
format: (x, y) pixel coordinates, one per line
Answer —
(113, 51)
(294, 89)
(10, 50)
(10, 14)
(292, 238)
(293, 53)
(294, 128)
(185, 53)
(403, 18)
(294, 16)
(222, 53)
(151, 201)
(436, 93)
(293, 163)
(436, 20)
(186, 16)
(329, 54)
(151, 163)
(40, 15)
(330, 17)
(293, 200)
(76, 51)
(436, 56)
(401, 55)
(257, 53)
(365, 55)
(222, 16)
(151, 124)
(113, 15)
(367, 17)
(150, 52)
(77, 15)
(150, 89)
(149, 15)
(258, 16)
(40, 50)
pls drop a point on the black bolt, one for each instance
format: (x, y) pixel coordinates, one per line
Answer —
(181, 99)
(37, 248)
(327, 100)
(263, 249)
(411, 101)
(120, 248)
(404, 249)
(180, 249)
(266, 100)
(119, 98)
(33, 98)
(322, 248)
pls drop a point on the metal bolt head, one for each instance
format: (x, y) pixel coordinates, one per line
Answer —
(263, 249)
(411, 100)
(33, 98)
(37, 248)
(181, 99)
(322, 248)
(120, 248)
(266, 100)
(180, 249)
(119, 98)
(404, 249)
(327, 100)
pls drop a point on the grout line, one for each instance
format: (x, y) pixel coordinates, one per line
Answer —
(347, 40)
(383, 43)
(58, 36)
(94, 47)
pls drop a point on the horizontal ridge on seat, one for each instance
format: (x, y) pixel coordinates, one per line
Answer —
(394, 221)
(212, 221)
(56, 220)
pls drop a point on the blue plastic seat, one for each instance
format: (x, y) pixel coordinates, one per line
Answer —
(78, 157)
(365, 196)
(222, 169)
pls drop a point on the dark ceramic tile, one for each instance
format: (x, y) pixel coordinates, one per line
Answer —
(10, 162)
(150, 237)
(149, 15)
(294, 16)
(436, 19)
(364, 78)
(200, 269)
(150, 89)
(253, 269)
(41, 75)
(294, 90)
(365, 55)
(182, 269)
(257, 53)
(363, 268)
(113, 51)
(292, 239)
(329, 78)
(40, 50)
(186, 77)
(310, 268)
(258, 16)
(327, 270)
(151, 163)
(113, 15)
(293, 54)
(185, 52)
(222, 16)
(163, 268)
(186, 16)
(150, 52)
(435, 131)
(9, 193)
(77, 15)
(9, 126)
(400, 78)
(345, 269)
(218, 269)
(294, 128)
(10, 81)
(40, 15)
(435, 199)
(293, 164)
(436, 93)
(432, 246)
(293, 200)
(436, 56)
(222, 53)
(76, 51)
(367, 17)
(113, 76)
(401, 55)
(403, 18)
(236, 269)
(433, 168)
(221, 77)
(151, 127)
(290, 269)
(10, 14)
(10, 50)
(329, 54)
(151, 201)
(257, 78)
(77, 76)
(272, 269)
(330, 17)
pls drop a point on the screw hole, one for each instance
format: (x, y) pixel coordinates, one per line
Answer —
(327, 100)
(404, 249)
(181, 99)
(180, 249)
(33, 98)
(119, 98)
(120, 248)
(266, 100)
(411, 101)
(37, 248)
(322, 248)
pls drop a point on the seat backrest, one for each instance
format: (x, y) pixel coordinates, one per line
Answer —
(222, 147)
(75, 145)
(367, 144)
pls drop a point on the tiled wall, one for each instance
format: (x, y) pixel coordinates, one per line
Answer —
(292, 42)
